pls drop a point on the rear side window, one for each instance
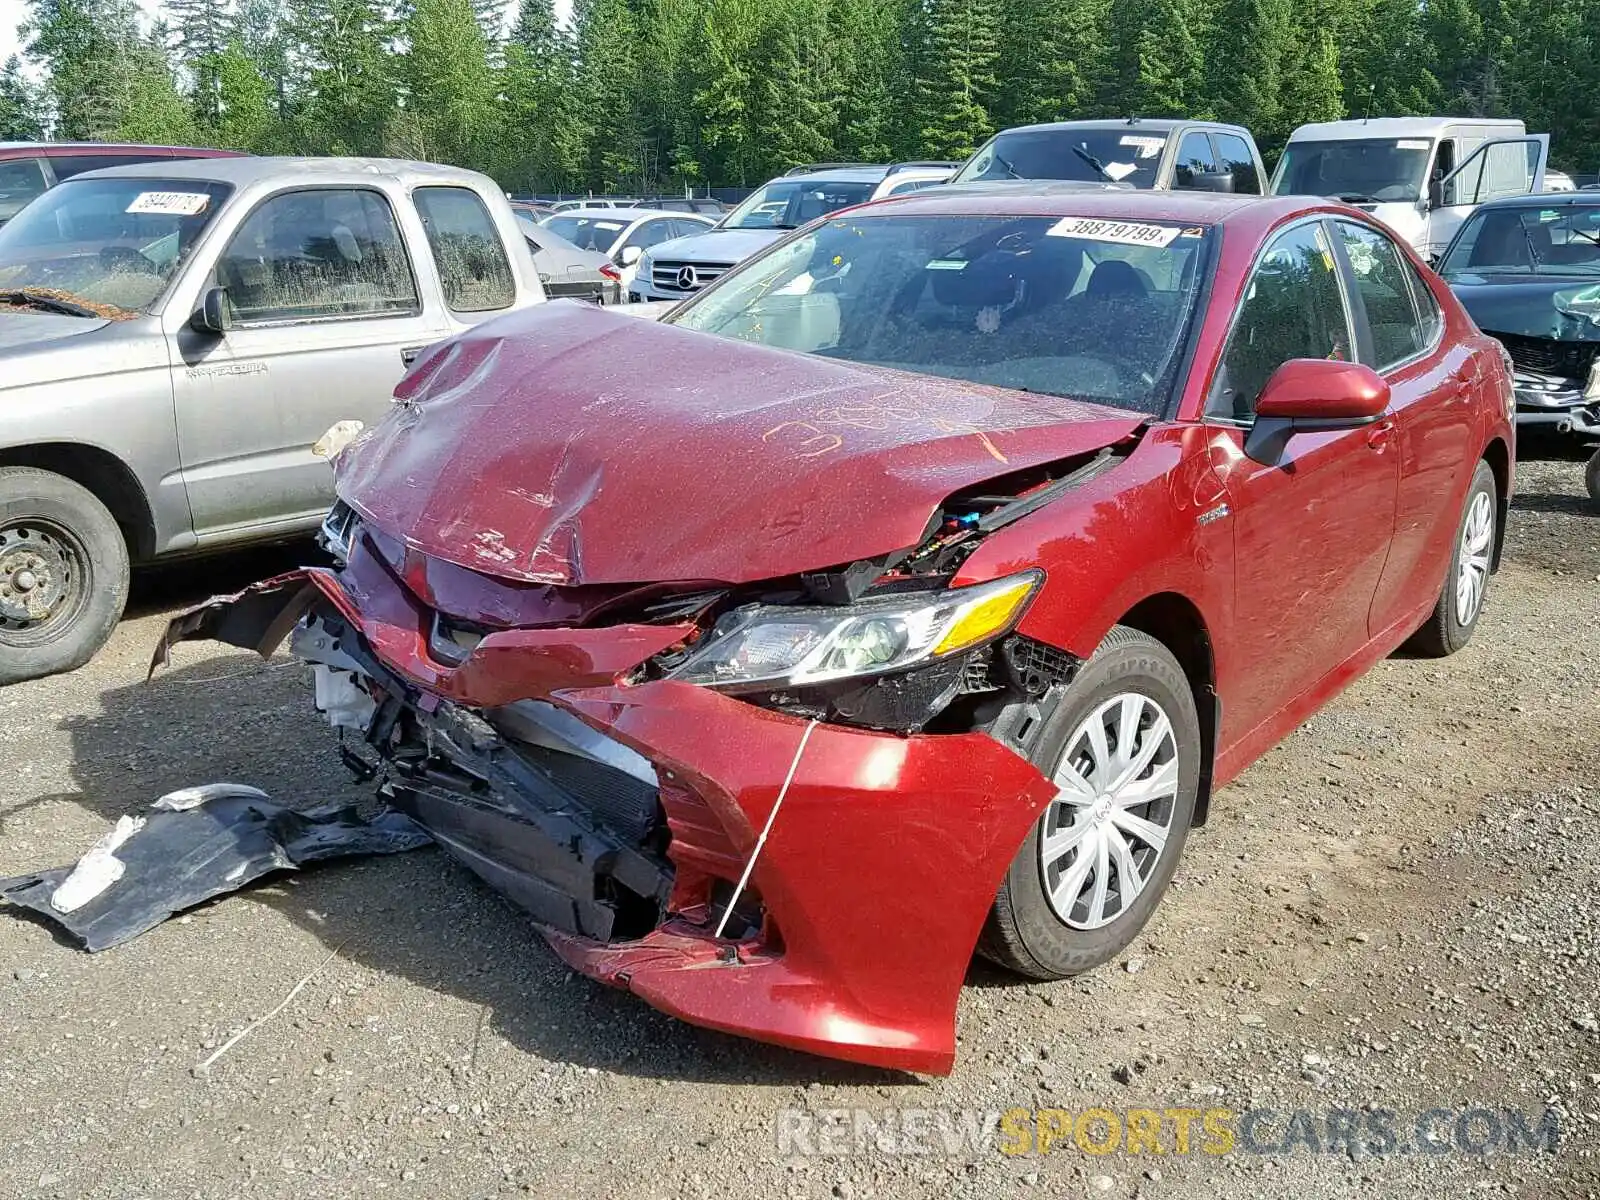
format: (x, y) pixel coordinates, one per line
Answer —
(1293, 307)
(21, 179)
(319, 254)
(473, 266)
(1383, 283)
(1234, 158)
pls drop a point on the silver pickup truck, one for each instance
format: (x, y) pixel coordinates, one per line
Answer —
(175, 337)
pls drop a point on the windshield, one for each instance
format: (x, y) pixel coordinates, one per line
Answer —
(1366, 171)
(1526, 240)
(589, 232)
(1083, 307)
(790, 203)
(108, 244)
(1120, 155)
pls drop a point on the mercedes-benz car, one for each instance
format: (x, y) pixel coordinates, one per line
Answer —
(683, 266)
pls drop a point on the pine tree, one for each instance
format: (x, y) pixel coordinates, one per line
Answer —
(956, 76)
(22, 117)
(200, 32)
(247, 116)
(1051, 54)
(1155, 66)
(606, 92)
(1246, 74)
(1312, 90)
(345, 75)
(724, 90)
(793, 118)
(449, 102)
(539, 146)
(871, 77)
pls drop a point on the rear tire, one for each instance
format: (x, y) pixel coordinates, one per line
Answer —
(1126, 730)
(1591, 477)
(63, 574)
(1461, 600)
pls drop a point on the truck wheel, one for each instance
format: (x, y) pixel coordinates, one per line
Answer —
(63, 574)
(1123, 746)
(1591, 477)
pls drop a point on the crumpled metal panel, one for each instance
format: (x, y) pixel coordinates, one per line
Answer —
(180, 858)
(566, 445)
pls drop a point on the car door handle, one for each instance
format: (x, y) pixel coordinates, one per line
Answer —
(1378, 435)
(410, 355)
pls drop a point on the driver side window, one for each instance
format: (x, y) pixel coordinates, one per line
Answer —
(1293, 307)
(316, 254)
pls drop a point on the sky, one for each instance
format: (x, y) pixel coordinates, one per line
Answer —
(12, 13)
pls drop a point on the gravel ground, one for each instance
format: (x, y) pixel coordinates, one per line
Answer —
(1393, 910)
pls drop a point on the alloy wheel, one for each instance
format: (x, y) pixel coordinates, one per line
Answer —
(1472, 574)
(1111, 817)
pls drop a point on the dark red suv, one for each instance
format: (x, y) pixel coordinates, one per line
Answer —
(30, 168)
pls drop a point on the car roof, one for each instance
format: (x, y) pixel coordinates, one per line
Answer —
(1038, 198)
(840, 175)
(1393, 127)
(1152, 124)
(51, 149)
(1543, 200)
(244, 171)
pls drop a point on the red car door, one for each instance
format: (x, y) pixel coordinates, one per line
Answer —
(1432, 390)
(1311, 528)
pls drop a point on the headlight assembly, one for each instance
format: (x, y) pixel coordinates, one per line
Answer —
(1582, 304)
(765, 646)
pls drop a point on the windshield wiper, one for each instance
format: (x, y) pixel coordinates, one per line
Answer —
(29, 297)
(1533, 251)
(1356, 198)
(1093, 162)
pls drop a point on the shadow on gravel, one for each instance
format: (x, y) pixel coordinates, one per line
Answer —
(416, 916)
(189, 581)
(1548, 502)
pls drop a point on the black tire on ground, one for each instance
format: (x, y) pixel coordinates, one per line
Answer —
(1444, 632)
(1023, 932)
(54, 530)
(1591, 477)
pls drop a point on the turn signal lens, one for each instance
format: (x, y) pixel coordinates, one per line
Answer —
(986, 617)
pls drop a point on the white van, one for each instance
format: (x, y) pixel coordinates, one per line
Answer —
(1422, 176)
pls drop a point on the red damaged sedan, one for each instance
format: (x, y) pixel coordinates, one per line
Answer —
(908, 592)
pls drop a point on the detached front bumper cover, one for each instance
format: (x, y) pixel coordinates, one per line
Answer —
(863, 907)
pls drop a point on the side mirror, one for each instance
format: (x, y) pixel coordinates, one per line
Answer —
(629, 255)
(1313, 395)
(1436, 191)
(215, 315)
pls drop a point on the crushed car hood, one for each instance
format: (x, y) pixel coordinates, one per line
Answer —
(566, 445)
(1523, 305)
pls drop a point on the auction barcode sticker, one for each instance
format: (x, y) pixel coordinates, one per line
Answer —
(178, 204)
(1131, 233)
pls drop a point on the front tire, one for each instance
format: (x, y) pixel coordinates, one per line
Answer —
(63, 574)
(1124, 747)
(1466, 586)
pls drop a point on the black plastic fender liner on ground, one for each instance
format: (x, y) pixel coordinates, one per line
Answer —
(182, 857)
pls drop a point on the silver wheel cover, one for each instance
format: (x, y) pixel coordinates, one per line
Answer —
(1106, 829)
